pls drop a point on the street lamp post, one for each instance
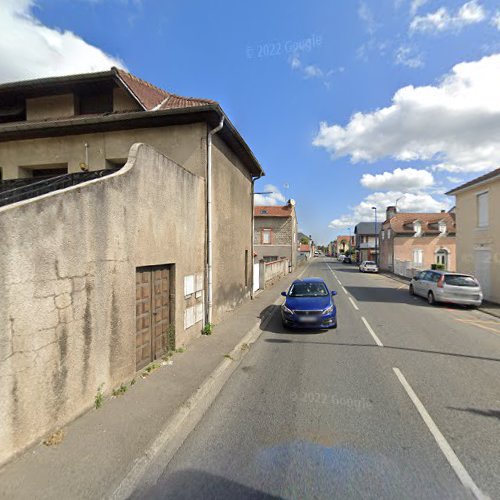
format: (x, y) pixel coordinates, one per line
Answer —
(376, 235)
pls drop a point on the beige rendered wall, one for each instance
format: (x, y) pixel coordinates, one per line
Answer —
(470, 237)
(123, 102)
(404, 246)
(67, 287)
(232, 230)
(184, 144)
(49, 107)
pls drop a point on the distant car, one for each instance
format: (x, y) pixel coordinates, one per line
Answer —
(346, 260)
(341, 257)
(309, 304)
(368, 266)
(443, 286)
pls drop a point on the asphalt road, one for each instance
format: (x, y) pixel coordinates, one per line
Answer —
(336, 415)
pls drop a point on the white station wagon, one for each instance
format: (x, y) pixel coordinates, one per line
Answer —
(442, 286)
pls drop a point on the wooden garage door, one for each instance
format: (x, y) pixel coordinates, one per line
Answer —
(153, 320)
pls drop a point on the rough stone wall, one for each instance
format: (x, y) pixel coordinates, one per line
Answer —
(283, 229)
(67, 287)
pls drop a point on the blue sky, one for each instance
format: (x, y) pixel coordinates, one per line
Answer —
(280, 69)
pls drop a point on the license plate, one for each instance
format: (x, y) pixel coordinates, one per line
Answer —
(308, 319)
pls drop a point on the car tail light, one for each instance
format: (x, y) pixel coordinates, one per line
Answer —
(440, 282)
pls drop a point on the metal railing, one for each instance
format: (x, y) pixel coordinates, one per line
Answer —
(12, 191)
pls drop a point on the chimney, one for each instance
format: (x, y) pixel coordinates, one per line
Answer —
(390, 212)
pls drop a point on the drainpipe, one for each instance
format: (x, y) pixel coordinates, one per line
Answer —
(209, 218)
(252, 276)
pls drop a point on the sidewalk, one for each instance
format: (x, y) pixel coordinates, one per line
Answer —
(487, 307)
(104, 452)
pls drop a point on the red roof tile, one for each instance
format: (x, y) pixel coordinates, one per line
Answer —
(272, 211)
(153, 98)
(403, 222)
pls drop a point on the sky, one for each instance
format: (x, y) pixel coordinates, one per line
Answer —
(347, 104)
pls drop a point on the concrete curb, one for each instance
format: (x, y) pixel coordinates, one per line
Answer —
(187, 416)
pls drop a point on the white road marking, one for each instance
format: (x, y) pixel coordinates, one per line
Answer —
(372, 333)
(345, 291)
(353, 304)
(447, 450)
(334, 275)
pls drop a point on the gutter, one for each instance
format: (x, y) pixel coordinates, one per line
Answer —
(211, 133)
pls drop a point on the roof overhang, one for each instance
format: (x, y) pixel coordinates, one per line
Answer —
(210, 114)
(477, 182)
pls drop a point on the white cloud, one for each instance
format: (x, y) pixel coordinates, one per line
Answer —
(441, 20)
(28, 49)
(275, 197)
(400, 179)
(308, 70)
(455, 124)
(415, 6)
(407, 202)
(455, 180)
(495, 20)
(405, 56)
(366, 15)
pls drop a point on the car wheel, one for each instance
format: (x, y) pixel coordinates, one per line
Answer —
(412, 292)
(431, 299)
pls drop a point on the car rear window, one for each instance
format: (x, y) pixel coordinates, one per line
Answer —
(457, 280)
(369, 263)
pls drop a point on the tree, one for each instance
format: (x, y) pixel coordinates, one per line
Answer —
(304, 240)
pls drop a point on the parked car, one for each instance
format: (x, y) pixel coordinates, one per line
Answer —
(341, 257)
(368, 266)
(347, 260)
(443, 286)
(309, 304)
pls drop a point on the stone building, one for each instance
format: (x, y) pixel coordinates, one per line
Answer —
(110, 253)
(275, 233)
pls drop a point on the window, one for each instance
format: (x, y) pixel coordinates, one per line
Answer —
(417, 227)
(383, 234)
(482, 210)
(442, 257)
(266, 237)
(417, 257)
(95, 102)
(442, 228)
(388, 233)
(246, 267)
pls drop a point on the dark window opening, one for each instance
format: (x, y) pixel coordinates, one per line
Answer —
(246, 267)
(89, 103)
(49, 172)
(13, 111)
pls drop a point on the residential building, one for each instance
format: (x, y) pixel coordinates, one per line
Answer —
(478, 231)
(345, 244)
(413, 241)
(113, 265)
(367, 240)
(305, 251)
(275, 233)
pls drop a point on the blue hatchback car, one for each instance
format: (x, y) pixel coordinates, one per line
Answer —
(309, 304)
